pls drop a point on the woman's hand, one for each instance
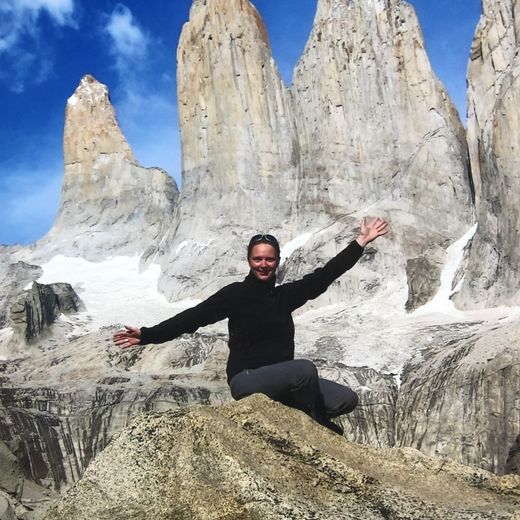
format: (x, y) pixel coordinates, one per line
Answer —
(371, 230)
(127, 337)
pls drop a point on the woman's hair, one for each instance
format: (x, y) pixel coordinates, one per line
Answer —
(263, 239)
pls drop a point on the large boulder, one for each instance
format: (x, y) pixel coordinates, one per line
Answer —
(257, 459)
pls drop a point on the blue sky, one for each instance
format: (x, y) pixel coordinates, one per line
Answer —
(46, 46)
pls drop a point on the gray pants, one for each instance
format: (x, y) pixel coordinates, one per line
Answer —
(296, 383)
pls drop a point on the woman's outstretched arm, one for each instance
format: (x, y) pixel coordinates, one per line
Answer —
(317, 282)
(214, 309)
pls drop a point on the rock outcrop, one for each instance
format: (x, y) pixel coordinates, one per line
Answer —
(379, 135)
(39, 307)
(461, 400)
(493, 277)
(14, 278)
(109, 204)
(61, 407)
(20, 498)
(259, 460)
(377, 129)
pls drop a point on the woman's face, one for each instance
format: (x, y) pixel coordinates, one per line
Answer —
(263, 261)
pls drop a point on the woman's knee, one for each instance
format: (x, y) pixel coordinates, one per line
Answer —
(239, 387)
(305, 369)
(305, 366)
(343, 402)
(351, 402)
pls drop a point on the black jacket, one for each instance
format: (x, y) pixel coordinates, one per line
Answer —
(261, 329)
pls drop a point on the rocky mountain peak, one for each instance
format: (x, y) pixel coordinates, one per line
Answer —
(108, 201)
(366, 127)
(91, 127)
(240, 149)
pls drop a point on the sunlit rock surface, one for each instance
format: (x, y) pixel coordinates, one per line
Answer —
(259, 460)
(109, 204)
(62, 406)
(459, 399)
(493, 277)
(377, 129)
(240, 150)
(366, 130)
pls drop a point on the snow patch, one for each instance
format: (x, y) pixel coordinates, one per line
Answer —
(114, 291)
(288, 249)
(441, 302)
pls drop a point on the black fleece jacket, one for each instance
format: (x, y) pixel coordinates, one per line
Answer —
(261, 329)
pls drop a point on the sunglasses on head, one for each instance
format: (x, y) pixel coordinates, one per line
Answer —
(263, 238)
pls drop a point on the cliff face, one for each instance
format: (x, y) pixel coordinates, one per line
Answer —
(493, 135)
(125, 208)
(377, 129)
(240, 152)
(366, 129)
(59, 409)
(460, 401)
(378, 136)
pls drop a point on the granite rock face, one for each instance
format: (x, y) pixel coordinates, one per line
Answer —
(379, 136)
(493, 276)
(461, 400)
(423, 279)
(216, 463)
(59, 411)
(377, 128)
(240, 150)
(15, 276)
(125, 208)
(513, 459)
(61, 408)
(366, 129)
(37, 308)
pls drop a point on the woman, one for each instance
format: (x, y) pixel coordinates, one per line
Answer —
(261, 329)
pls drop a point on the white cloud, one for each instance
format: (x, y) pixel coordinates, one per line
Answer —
(24, 56)
(129, 42)
(144, 97)
(60, 11)
(19, 18)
